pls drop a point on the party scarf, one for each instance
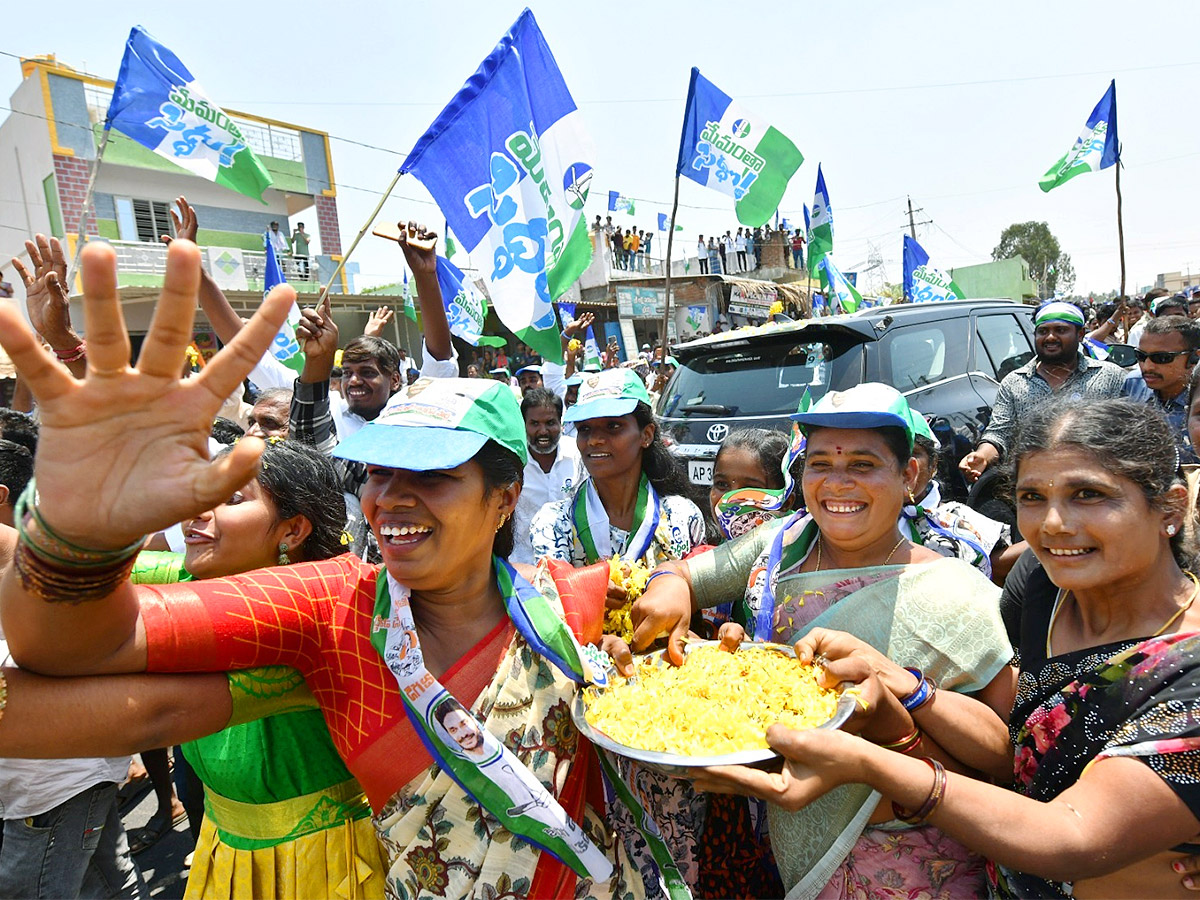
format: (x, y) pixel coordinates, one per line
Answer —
(927, 509)
(496, 779)
(592, 526)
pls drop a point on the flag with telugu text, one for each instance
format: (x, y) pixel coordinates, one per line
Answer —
(726, 147)
(157, 102)
(509, 161)
(1096, 147)
(466, 307)
(617, 203)
(922, 282)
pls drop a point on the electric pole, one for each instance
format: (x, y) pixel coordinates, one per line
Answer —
(912, 226)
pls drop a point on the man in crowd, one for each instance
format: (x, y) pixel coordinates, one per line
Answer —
(528, 378)
(269, 414)
(1058, 369)
(1167, 353)
(300, 250)
(702, 255)
(553, 469)
(279, 241)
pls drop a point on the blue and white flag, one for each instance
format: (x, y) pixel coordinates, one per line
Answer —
(726, 147)
(566, 312)
(841, 291)
(664, 223)
(922, 282)
(617, 203)
(157, 102)
(285, 347)
(1096, 147)
(591, 350)
(508, 162)
(466, 307)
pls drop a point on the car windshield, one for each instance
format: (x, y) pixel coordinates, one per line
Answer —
(761, 380)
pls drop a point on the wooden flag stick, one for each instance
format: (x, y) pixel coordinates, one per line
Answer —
(667, 274)
(358, 237)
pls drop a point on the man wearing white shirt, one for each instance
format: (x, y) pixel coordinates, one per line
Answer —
(62, 829)
(554, 465)
(730, 252)
(279, 241)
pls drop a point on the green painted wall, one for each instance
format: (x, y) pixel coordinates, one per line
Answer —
(212, 238)
(1002, 278)
(50, 190)
(108, 229)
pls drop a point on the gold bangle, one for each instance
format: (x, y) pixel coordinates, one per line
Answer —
(906, 743)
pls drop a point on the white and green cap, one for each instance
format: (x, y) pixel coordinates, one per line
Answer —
(441, 423)
(870, 405)
(1058, 311)
(613, 392)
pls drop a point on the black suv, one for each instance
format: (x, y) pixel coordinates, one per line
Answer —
(946, 358)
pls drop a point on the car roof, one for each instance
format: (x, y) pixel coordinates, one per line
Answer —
(860, 326)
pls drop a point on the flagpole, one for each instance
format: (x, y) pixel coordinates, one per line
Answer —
(87, 205)
(667, 272)
(1120, 229)
(375, 212)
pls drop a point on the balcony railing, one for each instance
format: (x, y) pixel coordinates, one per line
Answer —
(140, 258)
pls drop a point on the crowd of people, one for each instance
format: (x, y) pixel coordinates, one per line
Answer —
(731, 253)
(360, 602)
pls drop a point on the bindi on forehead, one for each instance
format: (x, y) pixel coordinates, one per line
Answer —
(839, 450)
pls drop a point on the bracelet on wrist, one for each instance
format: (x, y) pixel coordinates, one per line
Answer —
(922, 695)
(907, 743)
(658, 572)
(936, 793)
(75, 354)
(52, 548)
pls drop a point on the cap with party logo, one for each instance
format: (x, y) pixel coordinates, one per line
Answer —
(440, 424)
(613, 392)
(870, 405)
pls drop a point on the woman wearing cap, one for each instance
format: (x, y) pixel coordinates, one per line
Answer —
(844, 564)
(391, 654)
(631, 505)
(1100, 734)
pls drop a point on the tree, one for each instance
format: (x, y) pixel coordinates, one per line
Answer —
(1033, 242)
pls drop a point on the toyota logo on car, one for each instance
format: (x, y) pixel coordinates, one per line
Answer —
(717, 433)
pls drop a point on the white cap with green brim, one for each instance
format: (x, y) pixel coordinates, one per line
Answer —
(441, 423)
(613, 392)
(870, 405)
(921, 428)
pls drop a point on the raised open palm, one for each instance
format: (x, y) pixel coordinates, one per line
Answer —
(124, 452)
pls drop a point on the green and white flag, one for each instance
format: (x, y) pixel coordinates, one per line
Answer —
(1096, 147)
(591, 351)
(410, 307)
(157, 102)
(840, 289)
(727, 148)
(820, 228)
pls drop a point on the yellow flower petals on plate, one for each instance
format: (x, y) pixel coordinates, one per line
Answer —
(715, 703)
(632, 576)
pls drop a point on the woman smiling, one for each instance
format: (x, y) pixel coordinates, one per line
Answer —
(446, 618)
(1103, 735)
(844, 560)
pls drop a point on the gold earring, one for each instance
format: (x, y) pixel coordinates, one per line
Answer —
(503, 519)
(283, 554)
(911, 498)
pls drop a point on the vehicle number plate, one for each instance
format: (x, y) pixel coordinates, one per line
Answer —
(700, 471)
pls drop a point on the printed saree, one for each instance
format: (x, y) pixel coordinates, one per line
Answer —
(1139, 699)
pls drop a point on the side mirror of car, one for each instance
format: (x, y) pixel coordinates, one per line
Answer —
(1121, 354)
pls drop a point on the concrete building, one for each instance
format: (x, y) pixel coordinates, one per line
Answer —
(1002, 279)
(47, 148)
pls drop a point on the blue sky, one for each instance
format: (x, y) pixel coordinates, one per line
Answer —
(960, 105)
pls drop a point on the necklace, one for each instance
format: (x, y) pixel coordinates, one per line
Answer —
(820, 541)
(1062, 596)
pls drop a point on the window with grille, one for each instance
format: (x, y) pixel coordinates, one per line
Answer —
(151, 218)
